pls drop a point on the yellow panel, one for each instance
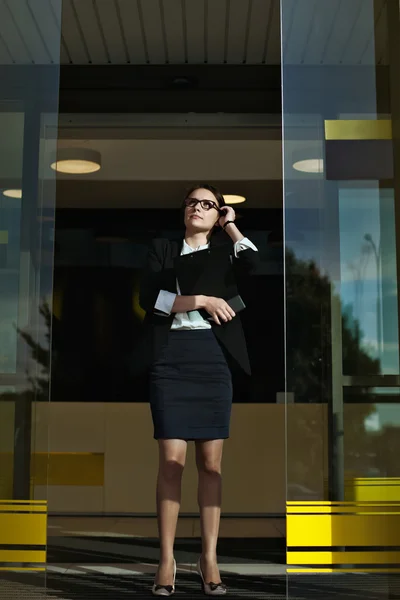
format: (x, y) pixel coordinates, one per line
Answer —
(332, 558)
(311, 570)
(68, 468)
(352, 129)
(376, 489)
(343, 530)
(23, 508)
(23, 529)
(309, 530)
(348, 570)
(24, 502)
(359, 507)
(22, 556)
(22, 569)
(3, 237)
(64, 468)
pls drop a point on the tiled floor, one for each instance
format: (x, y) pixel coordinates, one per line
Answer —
(114, 586)
(147, 527)
(116, 558)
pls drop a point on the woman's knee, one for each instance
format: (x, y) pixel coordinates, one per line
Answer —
(209, 466)
(171, 469)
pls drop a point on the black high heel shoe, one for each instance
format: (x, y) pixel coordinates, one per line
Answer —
(210, 589)
(164, 590)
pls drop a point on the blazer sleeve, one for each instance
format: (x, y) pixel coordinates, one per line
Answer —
(246, 262)
(152, 279)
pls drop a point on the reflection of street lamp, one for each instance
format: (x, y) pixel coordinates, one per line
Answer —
(377, 254)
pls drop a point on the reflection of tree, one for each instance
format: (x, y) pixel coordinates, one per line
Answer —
(33, 386)
(308, 334)
(309, 360)
(41, 356)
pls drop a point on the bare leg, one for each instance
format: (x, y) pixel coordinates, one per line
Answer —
(172, 456)
(208, 460)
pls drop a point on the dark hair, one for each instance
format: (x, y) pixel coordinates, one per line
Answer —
(206, 186)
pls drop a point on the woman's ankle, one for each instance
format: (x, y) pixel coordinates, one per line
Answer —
(209, 557)
(166, 559)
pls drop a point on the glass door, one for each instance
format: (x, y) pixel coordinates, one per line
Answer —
(29, 68)
(341, 313)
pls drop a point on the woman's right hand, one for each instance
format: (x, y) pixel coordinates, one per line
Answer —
(218, 309)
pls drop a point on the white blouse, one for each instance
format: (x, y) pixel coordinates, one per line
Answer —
(193, 319)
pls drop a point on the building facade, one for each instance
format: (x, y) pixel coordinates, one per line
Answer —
(294, 107)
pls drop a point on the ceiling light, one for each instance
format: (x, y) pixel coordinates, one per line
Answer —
(310, 165)
(77, 161)
(231, 199)
(12, 193)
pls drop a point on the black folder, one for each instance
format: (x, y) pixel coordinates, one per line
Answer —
(209, 272)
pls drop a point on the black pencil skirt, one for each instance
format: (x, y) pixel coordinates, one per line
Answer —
(191, 388)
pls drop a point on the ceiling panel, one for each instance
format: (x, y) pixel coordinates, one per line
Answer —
(193, 32)
(73, 36)
(381, 40)
(299, 27)
(343, 25)
(154, 30)
(238, 31)
(132, 30)
(215, 28)
(322, 26)
(359, 49)
(173, 14)
(88, 17)
(26, 21)
(195, 11)
(11, 37)
(110, 21)
(272, 55)
(260, 19)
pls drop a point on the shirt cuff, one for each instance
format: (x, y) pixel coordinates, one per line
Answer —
(164, 303)
(244, 244)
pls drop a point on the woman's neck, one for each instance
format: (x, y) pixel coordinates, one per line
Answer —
(194, 240)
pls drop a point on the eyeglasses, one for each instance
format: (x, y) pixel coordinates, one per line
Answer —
(205, 204)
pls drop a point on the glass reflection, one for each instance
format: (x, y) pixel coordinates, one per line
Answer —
(368, 282)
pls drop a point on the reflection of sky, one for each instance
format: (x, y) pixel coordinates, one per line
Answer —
(312, 233)
(386, 414)
(370, 212)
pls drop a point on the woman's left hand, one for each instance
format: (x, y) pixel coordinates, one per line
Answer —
(229, 215)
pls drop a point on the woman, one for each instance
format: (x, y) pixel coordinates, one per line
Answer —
(191, 334)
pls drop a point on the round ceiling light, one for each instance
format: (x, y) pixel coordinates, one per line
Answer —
(232, 199)
(77, 161)
(13, 193)
(310, 165)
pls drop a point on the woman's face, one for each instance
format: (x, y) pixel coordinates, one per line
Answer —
(198, 218)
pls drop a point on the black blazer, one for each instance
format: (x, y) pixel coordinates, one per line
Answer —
(160, 274)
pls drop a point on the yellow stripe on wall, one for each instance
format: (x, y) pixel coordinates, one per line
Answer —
(358, 129)
(64, 468)
(68, 468)
(23, 523)
(343, 530)
(23, 529)
(340, 558)
(22, 556)
(373, 526)
(23, 508)
(341, 570)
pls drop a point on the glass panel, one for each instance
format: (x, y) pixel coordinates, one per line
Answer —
(29, 75)
(341, 271)
(368, 278)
